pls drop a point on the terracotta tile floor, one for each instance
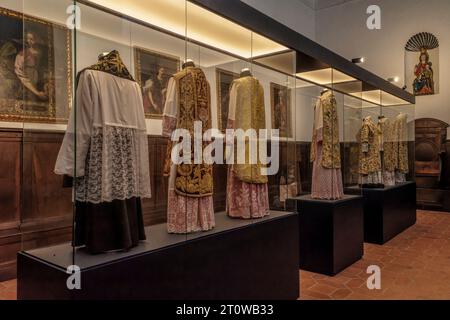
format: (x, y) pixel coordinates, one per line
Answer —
(414, 265)
(8, 290)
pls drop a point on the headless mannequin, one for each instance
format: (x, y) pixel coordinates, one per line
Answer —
(67, 180)
(188, 64)
(324, 91)
(246, 73)
(103, 54)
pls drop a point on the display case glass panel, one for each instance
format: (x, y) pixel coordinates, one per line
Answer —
(99, 89)
(90, 191)
(400, 130)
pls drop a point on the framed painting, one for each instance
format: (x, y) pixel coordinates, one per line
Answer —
(280, 98)
(153, 71)
(35, 69)
(224, 79)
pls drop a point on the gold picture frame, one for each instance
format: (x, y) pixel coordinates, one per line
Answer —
(281, 109)
(153, 71)
(35, 69)
(224, 79)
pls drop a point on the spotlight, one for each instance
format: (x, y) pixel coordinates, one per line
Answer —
(358, 60)
(394, 79)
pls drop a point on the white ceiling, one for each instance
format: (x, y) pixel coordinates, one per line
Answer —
(188, 19)
(323, 4)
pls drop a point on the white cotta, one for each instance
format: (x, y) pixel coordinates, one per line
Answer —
(106, 146)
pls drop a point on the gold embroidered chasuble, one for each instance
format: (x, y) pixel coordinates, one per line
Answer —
(112, 63)
(369, 155)
(401, 143)
(326, 108)
(194, 104)
(385, 128)
(250, 113)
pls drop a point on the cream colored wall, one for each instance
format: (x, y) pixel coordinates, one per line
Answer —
(292, 13)
(343, 29)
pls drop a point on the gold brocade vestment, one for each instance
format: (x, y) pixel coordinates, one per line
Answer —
(331, 158)
(194, 104)
(387, 144)
(250, 114)
(401, 143)
(369, 155)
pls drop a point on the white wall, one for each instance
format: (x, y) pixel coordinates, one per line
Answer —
(343, 29)
(292, 13)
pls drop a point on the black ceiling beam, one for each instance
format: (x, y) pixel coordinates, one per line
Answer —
(250, 18)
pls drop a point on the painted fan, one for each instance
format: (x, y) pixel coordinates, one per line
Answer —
(421, 41)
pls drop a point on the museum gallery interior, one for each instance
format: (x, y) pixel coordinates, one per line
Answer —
(200, 149)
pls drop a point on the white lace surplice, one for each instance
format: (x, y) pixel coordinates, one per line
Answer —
(106, 146)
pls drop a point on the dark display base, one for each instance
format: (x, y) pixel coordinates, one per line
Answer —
(331, 233)
(388, 211)
(240, 259)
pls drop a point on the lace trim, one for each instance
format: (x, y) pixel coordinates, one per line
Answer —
(115, 168)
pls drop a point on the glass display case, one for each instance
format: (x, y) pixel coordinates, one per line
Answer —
(134, 126)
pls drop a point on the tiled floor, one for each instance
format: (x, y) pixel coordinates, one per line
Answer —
(8, 290)
(414, 265)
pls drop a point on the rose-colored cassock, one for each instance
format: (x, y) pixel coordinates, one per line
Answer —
(327, 176)
(184, 214)
(247, 197)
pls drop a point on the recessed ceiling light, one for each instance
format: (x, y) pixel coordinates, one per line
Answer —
(358, 60)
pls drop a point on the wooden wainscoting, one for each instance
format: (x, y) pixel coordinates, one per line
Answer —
(10, 199)
(36, 210)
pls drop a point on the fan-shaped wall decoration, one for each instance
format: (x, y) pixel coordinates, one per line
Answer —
(420, 41)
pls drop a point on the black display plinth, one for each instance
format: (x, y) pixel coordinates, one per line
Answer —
(388, 211)
(240, 259)
(331, 233)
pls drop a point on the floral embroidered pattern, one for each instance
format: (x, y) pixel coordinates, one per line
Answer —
(187, 215)
(387, 144)
(193, 180)
(369, 154)
(401, 143)
(331, 152)
(112, 168)
(112, 64)
(246, 200)
(326, 183)
(250, 114)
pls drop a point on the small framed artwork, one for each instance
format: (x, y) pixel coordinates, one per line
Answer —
(280, 97)
(224, 80)
(153, 71)
(35, 69)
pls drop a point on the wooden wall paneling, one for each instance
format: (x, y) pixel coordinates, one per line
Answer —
(47, 206)
(445, 178)
(303, 150)
(10, 244)
(155, 208)
(220, 187)
(10, 164)
(10, 197)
